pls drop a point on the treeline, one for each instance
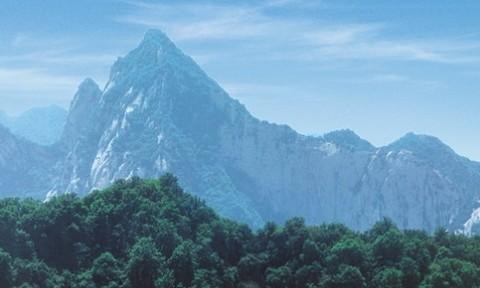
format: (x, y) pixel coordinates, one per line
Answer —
(148, 233)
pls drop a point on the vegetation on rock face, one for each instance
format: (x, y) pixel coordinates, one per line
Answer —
(149, 233)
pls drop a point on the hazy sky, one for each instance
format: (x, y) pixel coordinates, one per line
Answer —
(380, 68)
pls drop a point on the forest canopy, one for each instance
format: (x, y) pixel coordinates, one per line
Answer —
(149, 233)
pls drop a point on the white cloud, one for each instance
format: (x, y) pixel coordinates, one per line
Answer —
(340, 35)
(47, 57)
(24, 41)
(61, 58)
(196, 21)
(389, 78)
(44, 65)
(307, 38)
(255, 92)
(29, 80)
(47, 50)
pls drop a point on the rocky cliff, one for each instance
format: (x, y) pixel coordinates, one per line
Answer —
(160, 112)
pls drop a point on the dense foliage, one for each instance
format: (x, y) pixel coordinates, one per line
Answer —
(150, 234)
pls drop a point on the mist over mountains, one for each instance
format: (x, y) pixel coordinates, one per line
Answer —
(42, 125)
(159, 112)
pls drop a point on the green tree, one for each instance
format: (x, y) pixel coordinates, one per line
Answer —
(121, 236)
(388, 248)
(308, 274)
(348, 277)
(204, 278)
(34, 272)
(252, 267)
(145, 264)
(58, 230)
(350, 251)
(411, 272)
(182, 263)
(5, 269)
(452, 273)
(106, 271)
(310, 252)
(388, 278)
(296, 235)
(279, 277)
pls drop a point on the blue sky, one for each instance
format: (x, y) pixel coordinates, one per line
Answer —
(380, 68)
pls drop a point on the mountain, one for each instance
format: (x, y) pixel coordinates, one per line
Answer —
(42, 125)
(159, 112)
(25, 167)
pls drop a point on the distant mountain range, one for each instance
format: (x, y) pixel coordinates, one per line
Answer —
(160, 112)
(42, 125)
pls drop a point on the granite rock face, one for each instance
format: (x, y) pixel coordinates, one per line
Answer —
(159, 112)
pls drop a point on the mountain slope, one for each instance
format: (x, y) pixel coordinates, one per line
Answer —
(25, 167)
(160, 112)
(422, 183)
(139, 125)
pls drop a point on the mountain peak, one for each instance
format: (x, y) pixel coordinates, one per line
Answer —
(155, 53)
(427, 146)
(88, 84)
(348, 139)
(156, 42)
(412, 140)
(82, 109)
(88, 91)
(155, 36)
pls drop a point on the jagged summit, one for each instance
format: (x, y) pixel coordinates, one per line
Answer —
(82, 110)
(155, 57)
(348, 139)
(436, 154)
(419, 143)
(88, 83)
(157, 38)
(88, 92)
(155, 48)
(156, 44)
